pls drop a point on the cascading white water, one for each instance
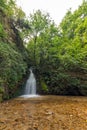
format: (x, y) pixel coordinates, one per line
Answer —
(30, 88)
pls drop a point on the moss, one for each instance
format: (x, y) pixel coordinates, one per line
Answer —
(1, 90)
(1, 86)
(1, 99)
(44, 86)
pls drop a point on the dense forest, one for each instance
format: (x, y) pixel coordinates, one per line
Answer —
(57, 53)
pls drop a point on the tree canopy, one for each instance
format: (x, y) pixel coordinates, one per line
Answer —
(60, 52)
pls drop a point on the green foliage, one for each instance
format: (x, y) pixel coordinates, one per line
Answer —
(61, 51)
(1, 86)
(2, 32)
(2, 4)
(12, 66)
(39, 22)
(10, 8)
(13, 55)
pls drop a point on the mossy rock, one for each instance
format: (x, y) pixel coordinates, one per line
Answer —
(1, 90)
(1, 99)
(44, 87)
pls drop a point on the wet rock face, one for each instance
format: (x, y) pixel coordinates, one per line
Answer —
(44, 113)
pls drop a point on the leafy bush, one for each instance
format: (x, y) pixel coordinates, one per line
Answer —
(2, 32)
(12, 67)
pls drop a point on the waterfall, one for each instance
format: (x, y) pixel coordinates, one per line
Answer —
(30, 88)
